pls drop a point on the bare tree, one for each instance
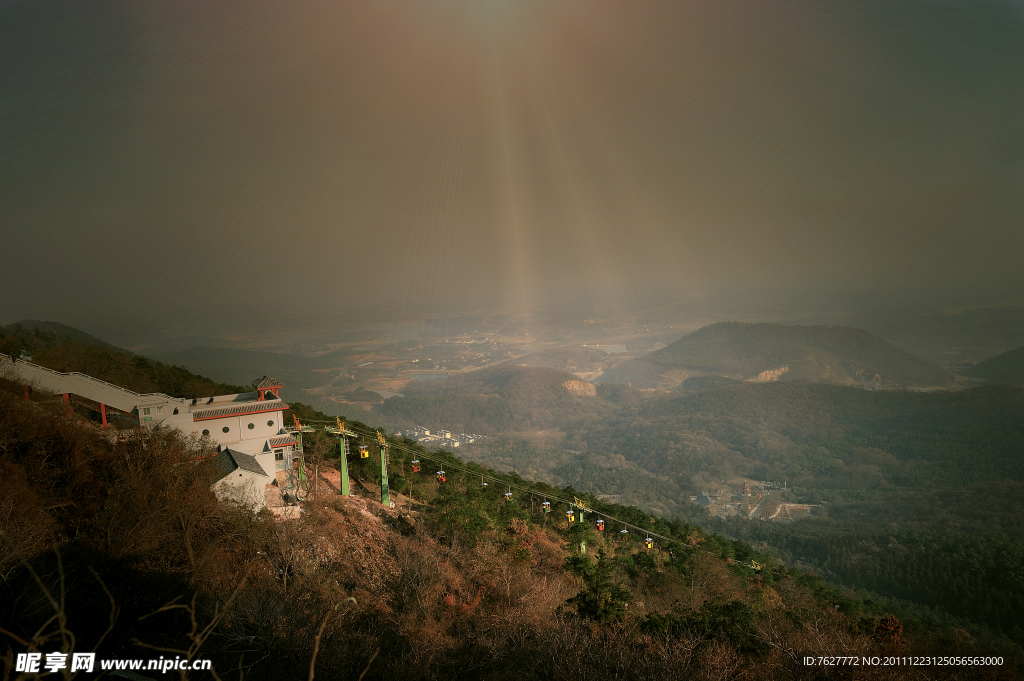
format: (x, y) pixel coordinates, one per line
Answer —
(316, 452)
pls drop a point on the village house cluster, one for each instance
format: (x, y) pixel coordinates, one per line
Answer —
(439, 438)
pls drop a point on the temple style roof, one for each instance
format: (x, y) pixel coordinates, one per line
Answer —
(253, 407)
(266, 382)
(282, 440)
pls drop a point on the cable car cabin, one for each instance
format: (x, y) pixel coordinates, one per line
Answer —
(364, 452)
(649, 543)
(569, 515)
(508, 495)
(623, 533)
(483, 483)
(441, 477)
(600, 526)
(546, 507)
(416, 466)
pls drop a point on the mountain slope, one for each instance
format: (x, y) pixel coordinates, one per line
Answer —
(762, 353)
(462, 583)
(1005, 368)
(47, 334)
(64, 348)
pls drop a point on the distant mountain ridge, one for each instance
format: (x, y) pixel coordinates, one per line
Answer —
(49, 332)
(774, 352)
(64, 348)
(1005, 368)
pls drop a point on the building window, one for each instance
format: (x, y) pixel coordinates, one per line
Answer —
(206, 432)
(145, 411)
(251, 426)
(270, 423)
(278, 455)
(159, 410)
(225, 429)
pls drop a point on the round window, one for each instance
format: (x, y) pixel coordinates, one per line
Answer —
(225, 429)
(251, 426)
(270, 423)
(206, 432)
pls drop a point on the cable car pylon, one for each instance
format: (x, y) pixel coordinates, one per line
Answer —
(343, 448)
(385, 496)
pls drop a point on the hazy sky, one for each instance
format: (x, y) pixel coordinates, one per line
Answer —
(193, 160)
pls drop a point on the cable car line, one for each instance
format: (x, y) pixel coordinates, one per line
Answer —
(572, 503)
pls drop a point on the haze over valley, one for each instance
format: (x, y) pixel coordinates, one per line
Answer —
(534, 339)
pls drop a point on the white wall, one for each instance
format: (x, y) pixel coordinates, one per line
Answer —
(248, 489)
(260, 428)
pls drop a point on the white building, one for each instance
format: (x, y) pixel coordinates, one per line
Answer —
(248, 428)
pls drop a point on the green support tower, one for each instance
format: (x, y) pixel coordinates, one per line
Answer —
(343, 445)
(385, 497)
(301, 471)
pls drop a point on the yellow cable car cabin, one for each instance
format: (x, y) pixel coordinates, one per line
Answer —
(441, 477)
(416, 466)
(600, 526)
(569, 515)
(364, 452)
(649, 543)
(546, 507)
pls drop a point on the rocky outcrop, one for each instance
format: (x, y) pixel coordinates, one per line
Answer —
(582, 388)
(769, 375)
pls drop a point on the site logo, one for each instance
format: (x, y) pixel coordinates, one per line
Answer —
(35, 663)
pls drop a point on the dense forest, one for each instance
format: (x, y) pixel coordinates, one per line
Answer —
(978, 578)
(122, 549)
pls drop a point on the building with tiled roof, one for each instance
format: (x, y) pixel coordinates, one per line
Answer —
(242, 478)
(248, 426)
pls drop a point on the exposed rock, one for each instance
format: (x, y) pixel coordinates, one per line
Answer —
(582, 388)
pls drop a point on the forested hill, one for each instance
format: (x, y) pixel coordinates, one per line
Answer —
(773, 352)
(1005, 368)
(456, 581)
(64, 348)
(820, 436)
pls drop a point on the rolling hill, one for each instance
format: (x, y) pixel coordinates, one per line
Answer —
(456, 580)
(64, 348)
(765, 353)
(35, 332)
(1005, 368)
